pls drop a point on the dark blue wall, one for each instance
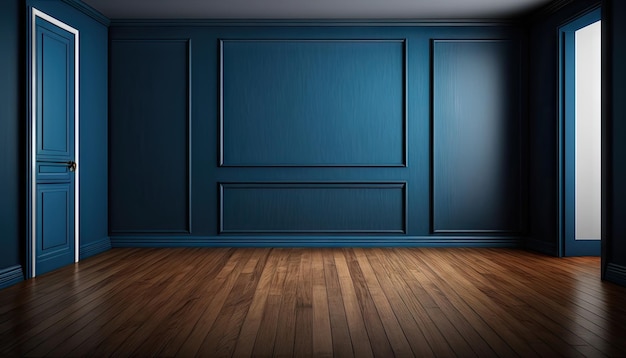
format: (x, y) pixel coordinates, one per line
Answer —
(543, 122)
(316, 134)
(614, 150)
(12, 145)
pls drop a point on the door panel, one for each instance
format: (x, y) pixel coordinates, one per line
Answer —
(55, 231)
(55, 91)
(55, 114)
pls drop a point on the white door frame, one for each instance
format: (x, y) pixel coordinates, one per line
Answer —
(32, 259)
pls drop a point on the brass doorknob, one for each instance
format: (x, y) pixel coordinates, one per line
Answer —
(72, 165)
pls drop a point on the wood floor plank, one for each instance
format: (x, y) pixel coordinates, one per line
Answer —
(381, 346)
(266, 336)
(394, 332)
(190, 315)
(411, 329)
(586, 305)
(221, 339)
(564, 320)
(85, 313)
(476, 289)
(303, 340)
(328, 302)
(555, 339)
(143, 339)
(360, 341)
(286, 318)
(341, 341)
(254, 317)
(445, 317)
(220, 289)
(32, 301)
(322, 333)
(37, 331)
(413, 296)
(57, 279)
(90, 323)
(170, 318)
(470, 303)
(115, 332)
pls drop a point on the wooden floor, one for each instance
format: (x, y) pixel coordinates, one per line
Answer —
(317, 302)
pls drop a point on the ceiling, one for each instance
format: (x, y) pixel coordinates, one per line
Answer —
(315, 9)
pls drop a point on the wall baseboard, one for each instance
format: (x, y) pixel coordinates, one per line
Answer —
(316, 241)
(11, 275)
(94, 248)
(616, 274)
(543, 247)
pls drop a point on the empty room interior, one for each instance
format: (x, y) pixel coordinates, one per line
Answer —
(350, 178)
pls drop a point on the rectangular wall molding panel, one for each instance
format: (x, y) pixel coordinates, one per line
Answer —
(476, 131)
(312, 208)
(150, 154)
(313, 103)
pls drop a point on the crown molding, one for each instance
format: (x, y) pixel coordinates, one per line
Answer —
(89, 11)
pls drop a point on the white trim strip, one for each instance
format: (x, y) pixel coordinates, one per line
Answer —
(33, 139)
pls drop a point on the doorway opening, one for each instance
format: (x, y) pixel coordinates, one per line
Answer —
(580, 136)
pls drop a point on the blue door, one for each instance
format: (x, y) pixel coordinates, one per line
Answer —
(55, 110)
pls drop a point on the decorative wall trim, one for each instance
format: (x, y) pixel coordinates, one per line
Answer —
(208, 233)
(281, 186)
(89, 11)
(187, 230)
(94, 248)
(10, 276)
(317, 241)
(223, 161)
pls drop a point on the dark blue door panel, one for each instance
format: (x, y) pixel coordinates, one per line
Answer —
(55, 92)
(55, 146)
(55, 228)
